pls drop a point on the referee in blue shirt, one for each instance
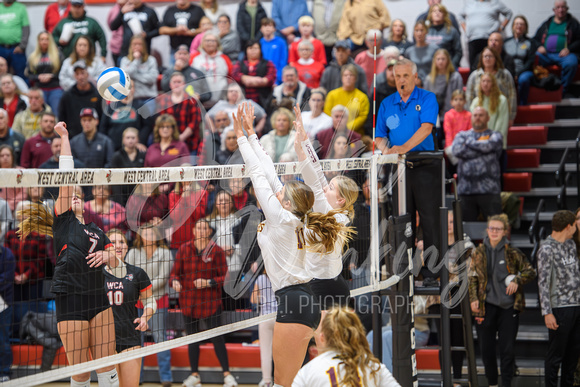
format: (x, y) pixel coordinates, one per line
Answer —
(405, 126)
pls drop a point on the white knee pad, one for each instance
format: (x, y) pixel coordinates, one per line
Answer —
(108, 378)
(86, 383)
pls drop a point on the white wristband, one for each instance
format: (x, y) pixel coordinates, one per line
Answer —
(66, 163)
(150, 303)
(509, 279)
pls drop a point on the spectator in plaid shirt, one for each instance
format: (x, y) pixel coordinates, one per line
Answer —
(256, 75)
(184, 109)
(198, 276)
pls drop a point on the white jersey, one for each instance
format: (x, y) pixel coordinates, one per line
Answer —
(329, 265)
(281, 235)
(326, 370)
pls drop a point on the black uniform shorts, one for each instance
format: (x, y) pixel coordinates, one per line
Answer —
(332, 292)
(296, 305)
(84, 307)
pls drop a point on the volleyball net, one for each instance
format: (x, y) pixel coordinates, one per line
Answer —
(163, 214)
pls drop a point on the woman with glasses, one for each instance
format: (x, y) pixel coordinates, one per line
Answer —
(497, 274)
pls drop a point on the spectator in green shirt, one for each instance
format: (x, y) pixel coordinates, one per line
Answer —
(81, 24)
(14, 33)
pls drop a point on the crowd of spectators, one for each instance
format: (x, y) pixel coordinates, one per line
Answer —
(179, 113)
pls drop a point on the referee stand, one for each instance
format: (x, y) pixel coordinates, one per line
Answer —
(399, 261)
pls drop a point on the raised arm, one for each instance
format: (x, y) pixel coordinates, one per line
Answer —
(307, 158)
(265, 160)
(65, 163)
(264, 193)
(308, 150)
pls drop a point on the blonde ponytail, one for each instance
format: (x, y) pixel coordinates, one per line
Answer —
(326, 231)
(36, 218)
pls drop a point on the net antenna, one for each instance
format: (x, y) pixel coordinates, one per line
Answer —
(374, 90)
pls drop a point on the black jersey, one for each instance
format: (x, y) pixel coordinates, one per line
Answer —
(123, 294)
(73, 242)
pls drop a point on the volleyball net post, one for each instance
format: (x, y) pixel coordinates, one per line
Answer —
(399, 262)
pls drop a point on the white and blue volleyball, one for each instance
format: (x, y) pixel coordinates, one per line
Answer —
(114, 84)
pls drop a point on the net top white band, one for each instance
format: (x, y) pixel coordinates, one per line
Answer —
(23, 178)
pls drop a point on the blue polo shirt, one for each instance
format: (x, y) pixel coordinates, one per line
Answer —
(398, 121)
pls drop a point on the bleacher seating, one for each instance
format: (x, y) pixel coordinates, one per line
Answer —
(557, 70)
(517, 182)
(535, 114)
(523, 158)
(540, 95)
(527, 135)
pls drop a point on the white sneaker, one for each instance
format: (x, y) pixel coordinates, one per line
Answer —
(192, 381)
(263, 383)
(230, 381)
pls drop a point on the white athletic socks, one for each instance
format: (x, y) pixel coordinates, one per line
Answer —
(108, 378)
(278, 385)
(86, 383)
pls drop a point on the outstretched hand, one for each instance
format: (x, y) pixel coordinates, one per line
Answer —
(237, 120)
(60, 128)
(248, 118)
(299, 125)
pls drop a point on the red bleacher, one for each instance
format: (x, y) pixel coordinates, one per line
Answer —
(538, 95)
(534, 114)
(523, 158)
(557, 70)
(517, 182)
(527, 135)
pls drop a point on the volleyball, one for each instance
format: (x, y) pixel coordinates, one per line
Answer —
(114, 84)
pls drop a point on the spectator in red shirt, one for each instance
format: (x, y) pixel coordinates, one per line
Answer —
(103, 211)
(167, 148)
(12, 195)
(185, 111)
(309, 70)
(187, 203)
(148, 204)
(306, 27)
(37, 149)
(10, 98)
(55, 13)
(366, 59)
(255, 74)
(242, 198)
(324, 138)
(198, 276)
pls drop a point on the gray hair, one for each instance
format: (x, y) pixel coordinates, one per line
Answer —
(371, 35)
(391, 51)
(291, 68)
(210, 33)
(4, 112)
(406, 62)
(342, 109)
(306, 43)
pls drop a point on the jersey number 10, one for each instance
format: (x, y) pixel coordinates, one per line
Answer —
(115, 297)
